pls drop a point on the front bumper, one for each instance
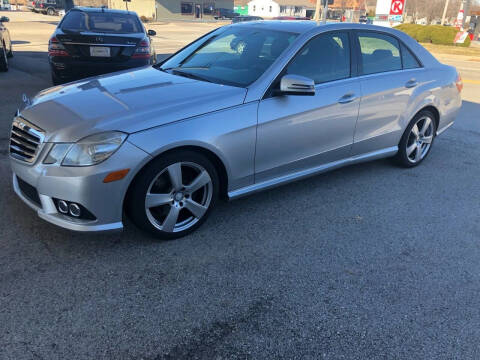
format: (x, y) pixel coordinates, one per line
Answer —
(82, 185)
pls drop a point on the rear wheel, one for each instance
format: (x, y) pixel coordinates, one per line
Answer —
(174, 194)
(50, 12)
(417, 140)
(56, 80)
(3, 59)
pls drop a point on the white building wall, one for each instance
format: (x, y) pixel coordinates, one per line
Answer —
(263, 8)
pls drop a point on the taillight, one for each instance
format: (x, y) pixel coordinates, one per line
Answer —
(55, 48)
(142, 51)
(41, 5)
(459, 83)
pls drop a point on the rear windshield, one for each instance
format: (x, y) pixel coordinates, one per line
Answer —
(103, 22)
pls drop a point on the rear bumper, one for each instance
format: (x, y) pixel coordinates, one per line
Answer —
(64, 68)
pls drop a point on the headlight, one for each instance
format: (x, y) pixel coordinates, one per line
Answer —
(90, 150)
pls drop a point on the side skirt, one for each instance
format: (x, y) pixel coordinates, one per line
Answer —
(285, 179)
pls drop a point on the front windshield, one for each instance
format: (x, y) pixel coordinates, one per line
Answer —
(237, 56)
(104, 22)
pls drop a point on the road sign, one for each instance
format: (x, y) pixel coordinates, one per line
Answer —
(397, 7)
(460, 37)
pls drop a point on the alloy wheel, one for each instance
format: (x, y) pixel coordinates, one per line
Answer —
(420, 139)
(178, 197)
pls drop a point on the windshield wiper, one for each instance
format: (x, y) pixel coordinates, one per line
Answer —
(187, 74)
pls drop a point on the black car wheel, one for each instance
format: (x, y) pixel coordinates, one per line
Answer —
(56, 80)
(50, 12)
(3, 59)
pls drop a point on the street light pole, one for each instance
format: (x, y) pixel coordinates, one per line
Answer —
(445, 11)
(317, 11)
(324, 12)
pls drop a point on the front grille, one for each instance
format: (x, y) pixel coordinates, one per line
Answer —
(25, 140)
(29, 191)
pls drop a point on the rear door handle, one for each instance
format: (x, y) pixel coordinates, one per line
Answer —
(411, 83)
(347, 98)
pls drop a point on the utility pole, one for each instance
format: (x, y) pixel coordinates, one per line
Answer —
(325, 11)
(445, 11)
(317, 11)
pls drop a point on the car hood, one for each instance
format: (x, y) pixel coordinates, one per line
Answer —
(127, 101)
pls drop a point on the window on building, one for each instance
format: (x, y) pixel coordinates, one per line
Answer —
(324, 58)
(283, 9)
(254, 8)
(298, 9)
(380, 53)
(409, 61)
(270, 8)
(187, 8)
(208, 8)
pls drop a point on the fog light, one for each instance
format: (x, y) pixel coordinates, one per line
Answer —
(63, 207)
(74, 210)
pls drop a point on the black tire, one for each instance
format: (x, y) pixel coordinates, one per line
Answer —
(3, 59)
(56, 80)
(135, 202)
(10, 53)
(50, 11)
(402, 157)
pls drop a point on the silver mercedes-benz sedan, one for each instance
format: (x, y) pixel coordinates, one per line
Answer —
(244, 108)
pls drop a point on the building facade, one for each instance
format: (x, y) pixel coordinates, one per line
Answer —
(274, 8)
(190, 10)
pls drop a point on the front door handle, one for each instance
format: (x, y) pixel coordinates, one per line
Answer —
(347, 98)
(411, 83)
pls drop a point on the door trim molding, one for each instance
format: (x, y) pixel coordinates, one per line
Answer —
(285, 179)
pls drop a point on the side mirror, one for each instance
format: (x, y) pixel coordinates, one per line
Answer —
(151, 32)
(296, 85)
(4, 19)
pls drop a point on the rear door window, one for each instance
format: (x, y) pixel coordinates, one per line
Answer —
(379, 53)
(408, 59)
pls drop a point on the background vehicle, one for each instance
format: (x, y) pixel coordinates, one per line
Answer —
(5, 5)
(92, 41)
(5, 44)
(243, 18)
(54, 7)
(224, 14)
(30, 4)
(363, 19)
(39, 6)
(245, 108)
(291, 18)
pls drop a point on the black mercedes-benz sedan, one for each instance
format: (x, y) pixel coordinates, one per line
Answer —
(95, 41)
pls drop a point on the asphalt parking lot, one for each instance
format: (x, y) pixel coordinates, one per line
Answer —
(366, 262)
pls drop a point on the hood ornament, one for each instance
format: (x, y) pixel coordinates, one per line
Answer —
(26, 100)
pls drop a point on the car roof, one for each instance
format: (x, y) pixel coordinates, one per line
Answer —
(104, 9)
(304, 26)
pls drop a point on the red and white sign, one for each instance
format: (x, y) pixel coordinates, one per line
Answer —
(460, 37)
(397, 7)
(459, 20)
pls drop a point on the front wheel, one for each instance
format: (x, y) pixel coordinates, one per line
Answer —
(174, 194)
(50, 12)
(417, 140)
